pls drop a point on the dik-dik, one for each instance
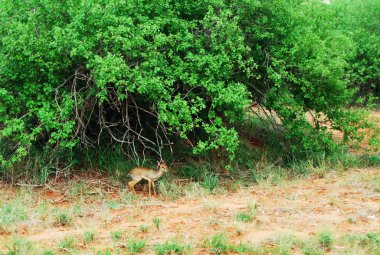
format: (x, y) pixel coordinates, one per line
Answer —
(139, 173)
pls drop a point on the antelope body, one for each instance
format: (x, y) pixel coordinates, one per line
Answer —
(139, 173)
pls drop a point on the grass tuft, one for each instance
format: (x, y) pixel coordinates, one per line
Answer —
(325, 240)
(244, 217)
(116, 235)
(63, 219)
(218, 244)
(250, 213)
(67, 243)
(170, 247)
(144, 229)
(157, 222)
(135, 245)
(88, 237)
(20, 246)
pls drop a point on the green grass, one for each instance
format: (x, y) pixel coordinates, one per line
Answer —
(12, 212)
(111, 161)
(157, 222)
(325, 240)
(47, 253)
(88, 237)
(195, 170)
(375, 184)
(111, 204)
(239, 228)
(77, 208)
(249, 214)
(242, 248)
(171, 247)
(62, 219)
(17, 208)
(106, 252)
(309, 250)
(135, 245)
(126, 197)
(171, 190)
(210, 182)
(21, 246)
(67, 243)
(284, 243)
(116, 235)
(244, 217)
(77, 188)
(351, 220)
(218, 244)
(144, 229)
(368, 243)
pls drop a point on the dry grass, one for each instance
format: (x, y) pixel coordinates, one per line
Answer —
(331, 215)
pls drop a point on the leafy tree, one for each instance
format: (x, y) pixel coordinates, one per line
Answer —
(302, 56)
(89, 73)
(128, 72)
(360, 20)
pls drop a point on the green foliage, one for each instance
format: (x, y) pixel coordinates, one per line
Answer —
(65, 75)
(96, 74)
(304, 58)
(359, 20)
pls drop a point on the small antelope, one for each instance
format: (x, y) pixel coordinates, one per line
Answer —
(139, 173)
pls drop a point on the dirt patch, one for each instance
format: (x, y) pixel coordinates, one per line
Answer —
(339, 203)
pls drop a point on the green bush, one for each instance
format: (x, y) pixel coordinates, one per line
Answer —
(141, 75)
(359, 20)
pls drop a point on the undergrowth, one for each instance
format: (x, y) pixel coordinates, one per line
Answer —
(261, 157)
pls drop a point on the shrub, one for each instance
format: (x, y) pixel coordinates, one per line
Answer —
(142, 75)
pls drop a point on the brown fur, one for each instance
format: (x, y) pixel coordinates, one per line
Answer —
(139, 173)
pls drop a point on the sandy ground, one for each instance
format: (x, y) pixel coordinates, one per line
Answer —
(339, 203)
